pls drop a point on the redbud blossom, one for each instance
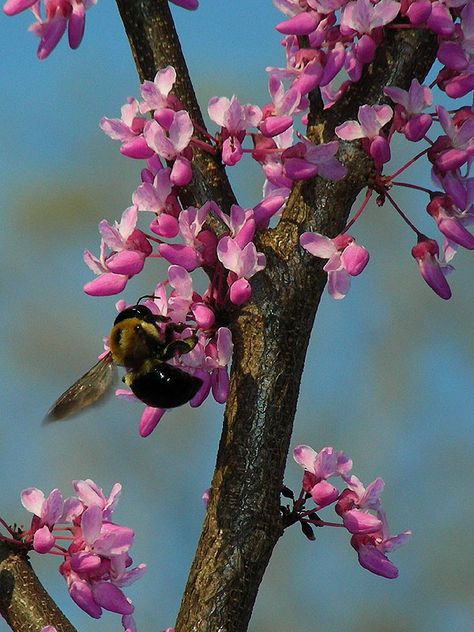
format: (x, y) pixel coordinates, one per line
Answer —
(451, 151)
(128, 130)
(354, 504)
(95, 566)
(128, 250)
(450, 222)
(426, 253)
(234, 120)
(372, 118)
(59, 15)
(371, 549)
(409, 118)
(345, 259)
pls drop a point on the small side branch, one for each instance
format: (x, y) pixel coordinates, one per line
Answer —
(152, 35)
(24, 603)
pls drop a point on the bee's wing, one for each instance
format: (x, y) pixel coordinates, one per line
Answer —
(86, 391)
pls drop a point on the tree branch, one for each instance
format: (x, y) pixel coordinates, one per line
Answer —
(24, 603)
(155, 44)
(271, 336)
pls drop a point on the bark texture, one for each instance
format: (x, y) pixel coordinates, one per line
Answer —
(24, 603)
(271, 333)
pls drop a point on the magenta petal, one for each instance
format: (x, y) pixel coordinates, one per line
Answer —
(318, 245)
(181, 172)
(91, 522)
(300, 169)
(323, 493)
(451, 159)
(111, 598)
(300, 24)
(32, 500)
(204, 316)
(85, 562)
(127, 262)
(305, 456)
(455, 231)
(220, 385)
(77, 22)
(357, 521)
(106, 284)
(380, 150)
(149, 420)
(81, 593)
(51, 32)
(374, 561)
(181, 255)
(43, 540)
(354, 259)
(338, 284)
(240, 292)
(191, 5)
(274, 125)
(136, 148)
(434, 277)
(12, 7)
(417, 127)
(165, 225)
(419, 11)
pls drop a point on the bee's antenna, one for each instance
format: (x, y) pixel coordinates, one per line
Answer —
(146, 296)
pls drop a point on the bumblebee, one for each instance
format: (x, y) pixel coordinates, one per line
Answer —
(137, 343)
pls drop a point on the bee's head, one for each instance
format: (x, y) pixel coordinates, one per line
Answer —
(136, 311)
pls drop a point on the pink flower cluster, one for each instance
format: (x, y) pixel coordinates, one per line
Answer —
(61, 15)
(160, 131)
(96, 563)
(358, 506)
(341, 38)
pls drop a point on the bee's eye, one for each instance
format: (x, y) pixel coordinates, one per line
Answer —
(117, 335)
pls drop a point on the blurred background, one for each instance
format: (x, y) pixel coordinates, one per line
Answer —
(388, 379)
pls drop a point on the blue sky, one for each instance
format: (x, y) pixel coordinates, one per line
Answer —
(388, 376)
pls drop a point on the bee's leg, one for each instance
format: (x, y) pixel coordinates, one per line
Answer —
(179, 347)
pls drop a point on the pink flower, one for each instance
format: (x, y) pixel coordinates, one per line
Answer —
(345, 259)
(408, 118)
(364, 16)
(303, 66)
(305, 160)
(451, 222)
(129, 249)
(372, 118)
(128, 130)
(191, 5)
(278, 116)
(60, 14)
(355, 502)
(426, 254)
(218, 357)
(451, 151)
(234, 120)
(371, 549)
(156, 93)
(199, 245)
(171, 142)
(318, 468)
(243, 263)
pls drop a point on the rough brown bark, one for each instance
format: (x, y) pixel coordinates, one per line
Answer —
(271, 333)
(24, 603)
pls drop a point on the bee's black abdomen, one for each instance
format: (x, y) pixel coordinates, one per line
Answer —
(163, 386)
